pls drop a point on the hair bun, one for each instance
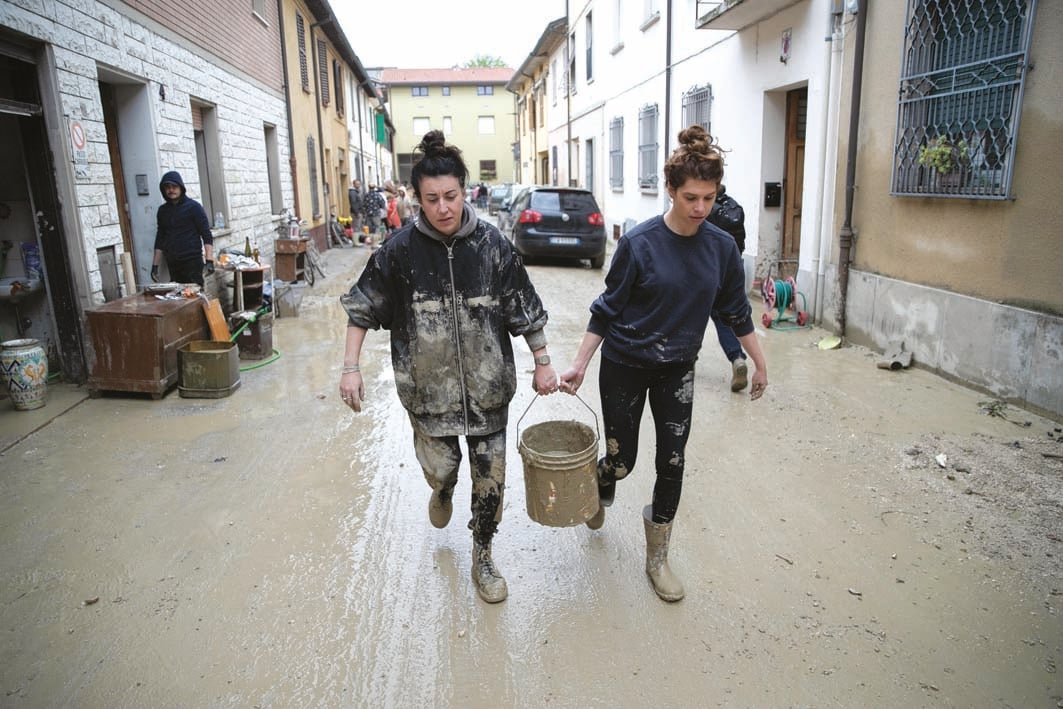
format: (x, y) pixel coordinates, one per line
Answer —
(433, 143)
(696, 139)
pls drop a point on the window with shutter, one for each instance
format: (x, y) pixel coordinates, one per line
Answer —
(322, 66)
(300, 32)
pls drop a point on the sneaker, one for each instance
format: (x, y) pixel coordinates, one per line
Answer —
(739, 374)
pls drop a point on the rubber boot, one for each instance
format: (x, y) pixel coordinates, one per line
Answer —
(665, 583)
(598, 519)
(440, 508)
(489, 583)
(606, 485)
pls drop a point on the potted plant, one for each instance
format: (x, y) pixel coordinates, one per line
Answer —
(944, 154)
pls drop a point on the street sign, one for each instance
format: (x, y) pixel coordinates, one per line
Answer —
(77, 142)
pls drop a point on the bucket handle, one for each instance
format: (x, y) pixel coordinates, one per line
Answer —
(597, 430)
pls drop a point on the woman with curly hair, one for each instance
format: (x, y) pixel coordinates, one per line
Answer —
(452, 292)
(669, 275)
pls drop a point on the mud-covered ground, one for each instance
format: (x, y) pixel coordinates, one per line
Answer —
(858, 537)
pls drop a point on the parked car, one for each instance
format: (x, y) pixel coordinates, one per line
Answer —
(558, 222)
(505, 213)
(498, 195)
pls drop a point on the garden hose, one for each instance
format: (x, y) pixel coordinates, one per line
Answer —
(232, 338)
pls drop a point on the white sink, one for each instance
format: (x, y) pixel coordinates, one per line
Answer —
(13, 290)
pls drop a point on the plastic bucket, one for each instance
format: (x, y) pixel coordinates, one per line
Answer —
(560, 471)
(24, 369)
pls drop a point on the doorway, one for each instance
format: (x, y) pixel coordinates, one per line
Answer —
(793, 181)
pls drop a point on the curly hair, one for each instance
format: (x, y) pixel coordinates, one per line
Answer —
(696, 158)
(437, 159)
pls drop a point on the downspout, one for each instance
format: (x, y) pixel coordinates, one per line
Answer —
(845, 237)
(825, 207)
(568, 96)
(288, 109)
(667, 87)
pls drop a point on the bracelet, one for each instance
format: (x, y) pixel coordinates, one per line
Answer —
(350, 368)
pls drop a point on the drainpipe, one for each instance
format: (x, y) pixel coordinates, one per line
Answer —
(288, 109)
(568, 95)
(667, 88)
(845, 237)
(828, 165)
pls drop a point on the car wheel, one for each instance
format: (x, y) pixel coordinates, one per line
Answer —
(598, 261)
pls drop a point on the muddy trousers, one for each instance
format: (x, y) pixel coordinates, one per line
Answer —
(440, 458)
(670, 391)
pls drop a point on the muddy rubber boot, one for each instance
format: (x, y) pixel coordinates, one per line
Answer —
(606, 486)
(440, 508)
(665, 583)
(739, 374)
(489, 583)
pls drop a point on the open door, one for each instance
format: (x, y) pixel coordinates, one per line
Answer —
(793, 182)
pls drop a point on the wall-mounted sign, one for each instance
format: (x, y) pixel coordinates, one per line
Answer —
(78, 143)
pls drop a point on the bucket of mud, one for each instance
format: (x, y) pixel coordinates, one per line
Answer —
(560, 470)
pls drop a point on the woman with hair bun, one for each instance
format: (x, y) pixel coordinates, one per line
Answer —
(669, 275)
(452, 292)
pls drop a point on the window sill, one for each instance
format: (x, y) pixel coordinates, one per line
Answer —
(650, 21)
(260, 18)
(616, 50)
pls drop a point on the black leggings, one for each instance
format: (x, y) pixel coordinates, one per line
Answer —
(624, 392)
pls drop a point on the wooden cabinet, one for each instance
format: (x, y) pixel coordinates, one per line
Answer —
(135, 341)
(289, 258)
(248, 287)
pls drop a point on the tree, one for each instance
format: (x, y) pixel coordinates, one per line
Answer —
(484, 60)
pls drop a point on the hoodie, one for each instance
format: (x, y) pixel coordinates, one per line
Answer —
(181, 228)
(451, 305)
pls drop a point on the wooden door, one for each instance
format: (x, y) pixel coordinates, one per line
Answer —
(110, 124)
(793, 182)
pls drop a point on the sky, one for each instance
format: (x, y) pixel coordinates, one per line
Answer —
(437, 34)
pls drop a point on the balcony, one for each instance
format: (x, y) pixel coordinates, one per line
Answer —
(736, 14)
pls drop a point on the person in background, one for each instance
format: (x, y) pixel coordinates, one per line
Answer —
(728, 214)
(355, 200)
(374, 206)
(182, 234)
(452, 292)
(402, 204)
(392, 195)
(650, 329)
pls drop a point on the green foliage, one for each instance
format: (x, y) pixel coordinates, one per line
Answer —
(483, 61)
(944, 155)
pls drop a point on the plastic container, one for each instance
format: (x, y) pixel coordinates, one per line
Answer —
(288, 298)
(208, 369)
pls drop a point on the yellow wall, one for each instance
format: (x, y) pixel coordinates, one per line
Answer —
(464, 107)
(1005, 251)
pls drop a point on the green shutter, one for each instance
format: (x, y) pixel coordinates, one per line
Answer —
(381, 133)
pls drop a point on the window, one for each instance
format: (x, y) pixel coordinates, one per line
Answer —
(448, 125)
(300, 33)
(445, 90)
(485, 90)
(259, 8)
(422, 126)
(337, 81)
(960, 90)
(273, 170)
(208, 159)
(648, 147)
(616, 153)
(553, 165)
(553, 82)
(485, 125)
(419, 91)
(588, 158)
(590, 35)
(488, 173)
(311, 162)
(322, 70)
(697, 106)
(570, 59)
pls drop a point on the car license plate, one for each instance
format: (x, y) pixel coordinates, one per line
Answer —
(564, 240)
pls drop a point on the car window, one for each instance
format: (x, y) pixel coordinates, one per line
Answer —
(499, 191)
(563, 202)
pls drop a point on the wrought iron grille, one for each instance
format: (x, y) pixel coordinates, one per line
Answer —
(697, 107)
(960, 97)
(616, 153)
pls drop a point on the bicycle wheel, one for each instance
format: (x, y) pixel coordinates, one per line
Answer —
(308, 267)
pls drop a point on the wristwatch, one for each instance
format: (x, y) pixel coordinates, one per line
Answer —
(543, 360)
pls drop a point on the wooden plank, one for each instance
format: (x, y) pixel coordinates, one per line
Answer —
(219, 331)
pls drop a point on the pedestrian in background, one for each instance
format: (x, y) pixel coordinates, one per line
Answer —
(355, 200)
(182, 234)
(728, 214)
(375, 208)
(452, 292)
(650, 328)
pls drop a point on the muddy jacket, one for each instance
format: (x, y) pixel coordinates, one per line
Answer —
(451, 306)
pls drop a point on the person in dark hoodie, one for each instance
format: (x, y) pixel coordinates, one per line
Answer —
(183, 234)
(452, 292)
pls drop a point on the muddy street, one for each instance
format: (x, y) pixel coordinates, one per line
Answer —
(273, 549)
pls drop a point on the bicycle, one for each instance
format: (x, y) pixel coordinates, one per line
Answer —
(313, 263)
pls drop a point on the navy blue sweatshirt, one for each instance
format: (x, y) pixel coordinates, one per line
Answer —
(661, 290)
(182, 228)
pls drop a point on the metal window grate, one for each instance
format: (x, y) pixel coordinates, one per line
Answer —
(648, 147)
(960, 97)
(616, 153)
(697, 107)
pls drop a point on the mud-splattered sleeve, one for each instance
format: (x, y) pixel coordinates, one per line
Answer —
(368, 303)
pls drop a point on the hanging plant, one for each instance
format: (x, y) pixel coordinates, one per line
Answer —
(943, 154)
